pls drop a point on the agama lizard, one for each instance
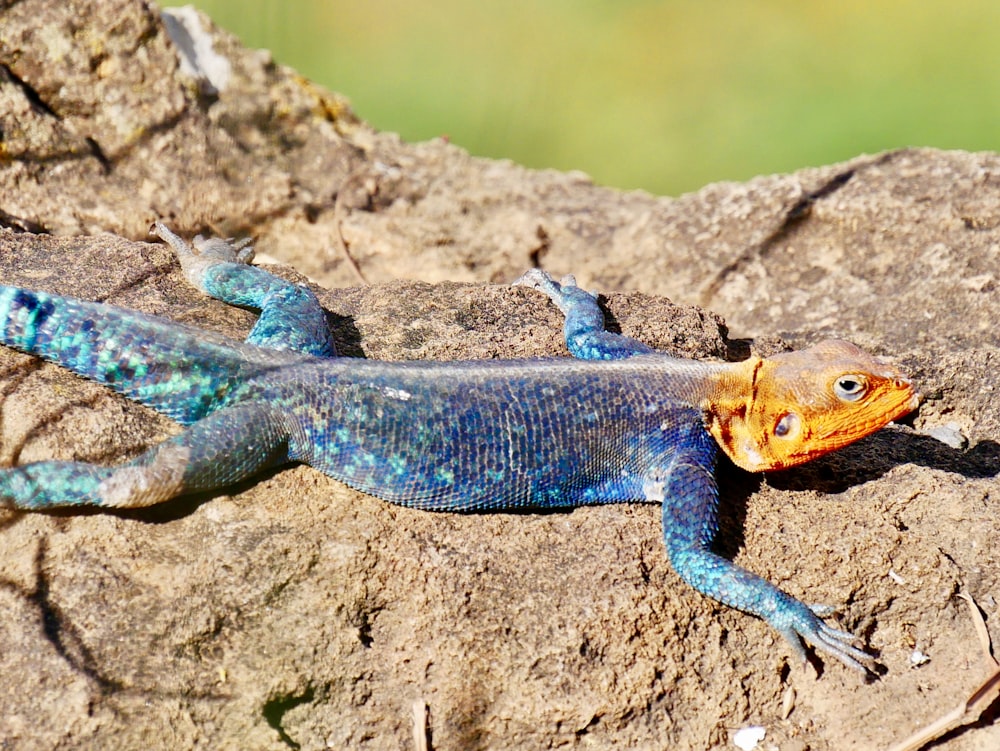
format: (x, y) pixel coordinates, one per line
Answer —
(617, 422)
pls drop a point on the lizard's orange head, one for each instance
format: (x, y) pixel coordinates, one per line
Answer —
(795, 406)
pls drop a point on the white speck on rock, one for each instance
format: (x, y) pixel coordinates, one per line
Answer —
(747, 738)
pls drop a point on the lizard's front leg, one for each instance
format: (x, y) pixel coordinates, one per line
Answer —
(586, 337)
(689, 494)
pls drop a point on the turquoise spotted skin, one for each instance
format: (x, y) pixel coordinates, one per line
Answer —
(617, 422)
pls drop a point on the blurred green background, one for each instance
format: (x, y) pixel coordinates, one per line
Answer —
(664, 96)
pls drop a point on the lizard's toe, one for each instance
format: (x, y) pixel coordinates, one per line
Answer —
(839, 644)
(569, 281)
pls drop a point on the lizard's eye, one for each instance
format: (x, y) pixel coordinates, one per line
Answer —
(850, 388)
(787, 426)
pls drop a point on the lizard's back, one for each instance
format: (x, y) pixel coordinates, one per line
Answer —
(467, 435)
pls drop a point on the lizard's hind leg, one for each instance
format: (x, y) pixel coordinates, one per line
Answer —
(586, 337)
(231, 445)
(291, 317)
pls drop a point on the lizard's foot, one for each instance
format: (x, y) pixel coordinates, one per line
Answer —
(207, 252)
(565, 293)
(543, 282)
(801, 622)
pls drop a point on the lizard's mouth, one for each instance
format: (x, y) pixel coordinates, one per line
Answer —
(835, 430)
(747, 457)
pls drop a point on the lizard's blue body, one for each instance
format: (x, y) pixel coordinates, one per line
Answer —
(618, 423)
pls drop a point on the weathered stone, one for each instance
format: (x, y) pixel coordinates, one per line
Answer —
(295, 612)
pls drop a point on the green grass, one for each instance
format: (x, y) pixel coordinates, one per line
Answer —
(664, 96)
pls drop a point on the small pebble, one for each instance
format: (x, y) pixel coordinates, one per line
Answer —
(746, 739)
(949, 434)
(918, 658)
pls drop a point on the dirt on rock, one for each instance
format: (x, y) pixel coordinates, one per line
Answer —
(294, 612)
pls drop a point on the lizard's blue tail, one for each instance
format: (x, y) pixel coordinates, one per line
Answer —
(183, 372)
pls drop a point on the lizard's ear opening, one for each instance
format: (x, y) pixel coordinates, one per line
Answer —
(788, 427)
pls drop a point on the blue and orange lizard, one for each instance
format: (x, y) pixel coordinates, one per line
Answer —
(617, 422)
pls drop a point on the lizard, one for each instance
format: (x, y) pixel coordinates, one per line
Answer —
(616, 422)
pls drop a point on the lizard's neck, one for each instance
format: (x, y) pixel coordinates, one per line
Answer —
(727, 407)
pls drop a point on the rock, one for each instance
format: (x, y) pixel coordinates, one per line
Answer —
(295, 612)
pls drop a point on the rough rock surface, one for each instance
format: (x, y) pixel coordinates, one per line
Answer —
(296, 613)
